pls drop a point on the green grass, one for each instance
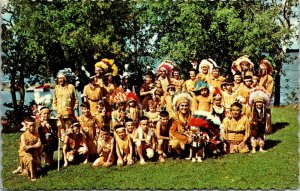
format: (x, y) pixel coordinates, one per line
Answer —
(277, 169)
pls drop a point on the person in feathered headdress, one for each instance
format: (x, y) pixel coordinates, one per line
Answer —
(203, 101)
(105, 66)
(189, 85)
(244, 65)
(266, 79)
(205, 133)
(118, 115)
(132, 107)
(218, 108)
(205, 69)
(176, 80)
(65, 102)
(164, 71)
(178, 139)
(260, 118)
(236, 130)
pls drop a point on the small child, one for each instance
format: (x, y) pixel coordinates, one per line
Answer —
(132, 107)
(259, 123)
(123, 146)
(153, 116)
(145, 141)
(158, 93)
(105, 149)
(218, 109)
(203, 101)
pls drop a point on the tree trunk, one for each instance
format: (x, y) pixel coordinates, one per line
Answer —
(277, 90)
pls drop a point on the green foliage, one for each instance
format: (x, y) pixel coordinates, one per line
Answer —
(276, 169)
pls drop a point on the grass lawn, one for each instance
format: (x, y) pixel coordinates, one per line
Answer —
(276, 169)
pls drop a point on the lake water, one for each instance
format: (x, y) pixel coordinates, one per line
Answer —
(291, 70)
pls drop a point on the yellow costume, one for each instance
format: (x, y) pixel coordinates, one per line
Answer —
(177, 83)
(267, 82)
(106, 150)
(93, 95)
(189, 85)
(64, 97)
(236, 131)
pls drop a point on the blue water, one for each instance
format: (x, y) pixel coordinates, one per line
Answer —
(291, 71)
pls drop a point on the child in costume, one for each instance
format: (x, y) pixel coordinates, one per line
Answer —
(124, 147)
(105, 149)
(259, 119)
(218, 108)
(203, 101)
(145, 141)
(132, 107)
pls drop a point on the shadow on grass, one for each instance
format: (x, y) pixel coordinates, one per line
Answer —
(278, 126)
(269, 144)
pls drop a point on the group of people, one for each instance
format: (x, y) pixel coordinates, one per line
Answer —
(205, 115)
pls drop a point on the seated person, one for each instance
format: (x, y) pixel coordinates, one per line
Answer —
(123, 146)
(74, 145)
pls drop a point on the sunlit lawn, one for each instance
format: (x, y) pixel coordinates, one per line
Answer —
(278, 168)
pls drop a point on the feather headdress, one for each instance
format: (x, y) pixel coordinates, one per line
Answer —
(259, 94)
(166, 65)
(210, 63)
(236, 65)
(240, 99)
(204, 119)
(266, 63)
(200, 84)
(217, 93)
(42, 101)
(106, 64)
(180, 97)
(130, 96)
(118, 95)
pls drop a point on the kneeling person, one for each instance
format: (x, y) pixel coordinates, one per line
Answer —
(145, 140)
(123, 146)
(105, 149)
(74, 145)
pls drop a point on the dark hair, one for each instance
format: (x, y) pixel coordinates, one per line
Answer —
(85, 104)
(144, 118)
(119, 126)
(127, 119)
(105, 128)
(237, 104)
(247, 77)
(29, 119)
(164, 113)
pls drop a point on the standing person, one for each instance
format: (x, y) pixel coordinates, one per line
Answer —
(29, 149)
(179, 128)
(162, 134)
(259, 123)
(92, 93)
(189, 85)
(124, 148)
(133, 107)
(146, 91)
(244, 65)
(218, 109)
(105, 148)
(176, 80)
(145, 140)
(205, 69)
(90, 128)
(110, 86)
(65, 101)
(164, 71)
(238, 81)
(229, 96)
(266, 79)
(75, 145)
(236, 130)
(203, 101)
(166, 101)
(48, 133)
(215, 79)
